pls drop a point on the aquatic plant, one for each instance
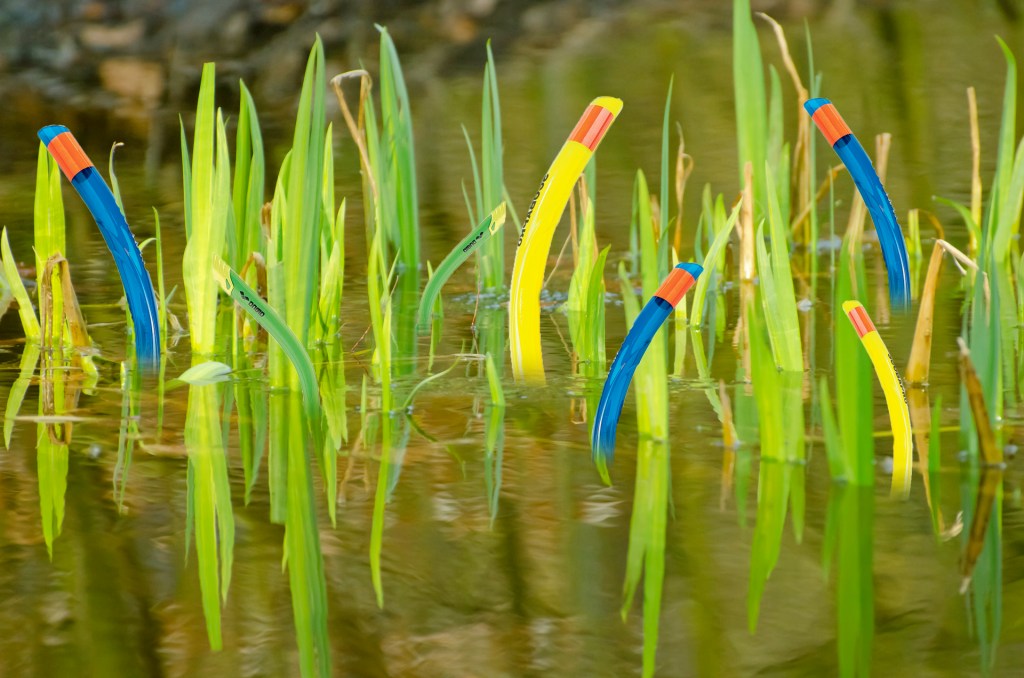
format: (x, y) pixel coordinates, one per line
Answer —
(585, 302)
(750, 101)
(776, 288)
(207, 206)
(249, 300)
(248, 182)
(781, 474)
(488, 178)
(210, 515)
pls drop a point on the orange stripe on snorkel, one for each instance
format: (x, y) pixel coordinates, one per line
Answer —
(861, 321)
(69, 154)
(675, 286)
(592, 126)
(831, 124)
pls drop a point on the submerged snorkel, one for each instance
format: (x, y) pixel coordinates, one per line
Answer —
(858, 164)
(652, 316)
(138, 288)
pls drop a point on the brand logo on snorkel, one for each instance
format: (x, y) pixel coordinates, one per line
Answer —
(473, 242)
(529, 210)
(252, 304)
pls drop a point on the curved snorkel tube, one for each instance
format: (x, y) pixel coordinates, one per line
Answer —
(535, 242)
(648, 322)
(895, 396)
(858, 164)
(477, 237)
(138, 288)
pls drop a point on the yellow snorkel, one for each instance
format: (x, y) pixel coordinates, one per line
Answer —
(535, 242)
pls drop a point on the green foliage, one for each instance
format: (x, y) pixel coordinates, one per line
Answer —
(206, 373)
(304, 560)
(715, 254)
(851, 520)
(646, 554)
(585, 305)
(296, 236)
(780, 483)
(833, 441)
(650, 381)
(663, 220)
(49, 238)
(1002, 216)
(29, 323)
(396, 161)
(16, 396)
(777, 296)
(854, 375)
(380, 321)
(211, 518)
(488, 178)
(749, 91)
(935, 467)
(208, 207)
(248, 186)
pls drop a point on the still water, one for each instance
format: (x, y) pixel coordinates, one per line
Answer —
(536, 588)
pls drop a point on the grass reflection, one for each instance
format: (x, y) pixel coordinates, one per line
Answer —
(646, 554)
(780, 486)
(210, 515)
(849, 542)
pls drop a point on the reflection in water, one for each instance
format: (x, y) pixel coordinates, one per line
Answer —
(982, 560)
(251, 402)
(16, 396)
(494, 452)
(59, 391)
(210, 515)
(849, 542)
(780, 484)
(646, 554)
(129, 429)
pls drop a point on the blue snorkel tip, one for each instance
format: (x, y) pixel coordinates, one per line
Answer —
(812, 105)
(48, 133)
(693, 269)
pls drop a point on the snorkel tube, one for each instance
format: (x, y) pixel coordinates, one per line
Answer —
(138, 288)
(890, 237)
(535, 242)
(895, 396)
(477, 237)
(648, 322)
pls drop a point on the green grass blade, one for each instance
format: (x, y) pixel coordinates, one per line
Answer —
(25, 310)
(210, 503)
(209, 202)
(833, 442)
(749, 91)
(716, 250)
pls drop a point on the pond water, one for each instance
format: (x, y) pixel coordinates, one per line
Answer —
(512, 563)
